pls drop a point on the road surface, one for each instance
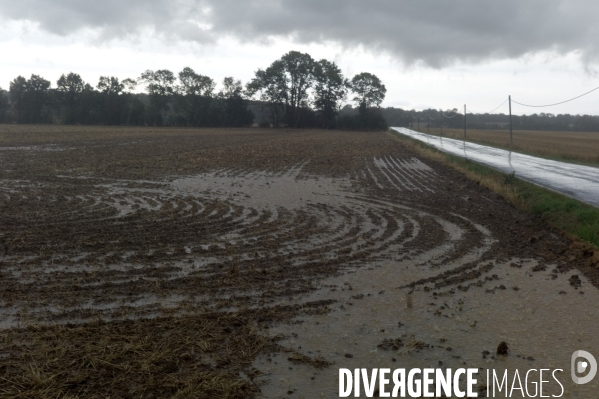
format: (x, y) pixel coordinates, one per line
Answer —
(576, 181)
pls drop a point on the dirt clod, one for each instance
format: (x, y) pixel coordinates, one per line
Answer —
(502, 349)
(575, 281)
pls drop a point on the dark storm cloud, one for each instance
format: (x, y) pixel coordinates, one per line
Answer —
(435, 32)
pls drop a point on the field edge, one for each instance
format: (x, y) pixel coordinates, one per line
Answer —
(574, 219)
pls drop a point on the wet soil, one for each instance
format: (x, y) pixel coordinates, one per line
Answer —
(242, 263)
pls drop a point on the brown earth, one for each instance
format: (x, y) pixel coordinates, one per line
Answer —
(153, 262)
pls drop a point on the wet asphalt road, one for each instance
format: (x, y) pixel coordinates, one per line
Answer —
(576, 181)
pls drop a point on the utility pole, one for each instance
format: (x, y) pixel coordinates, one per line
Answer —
(442, 123)
(428, 126)
(464, 121)
(511, 136)
(418, 122)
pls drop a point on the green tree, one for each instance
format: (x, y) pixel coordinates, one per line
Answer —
(195, 105)
(3, 105)
(160, 85)
(113, 103)
(270, 86)
(18, 89)
(135, 108)
(29, 96)
(70, 87)
(231, 88)
(71, 83)
(110, 85)
(330, 89)
(299, 70)
(195, 84)
(368, 89)
(285, 83)
(129, 85)
(236, 113)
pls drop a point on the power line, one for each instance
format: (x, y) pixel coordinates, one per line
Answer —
(451, 117)
(433, 119)
(499, 106)
(514, 101)
(551, 105)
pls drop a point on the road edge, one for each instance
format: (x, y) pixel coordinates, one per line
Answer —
(572, 218)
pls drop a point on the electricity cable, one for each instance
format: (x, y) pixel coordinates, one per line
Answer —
(551, 105)
(499, 106)
(450, 117)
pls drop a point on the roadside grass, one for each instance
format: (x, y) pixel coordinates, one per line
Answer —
(566, 214)
(574, 147)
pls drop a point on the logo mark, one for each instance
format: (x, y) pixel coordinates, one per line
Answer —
(579, 366)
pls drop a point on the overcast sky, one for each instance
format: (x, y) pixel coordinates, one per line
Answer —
(439, 54)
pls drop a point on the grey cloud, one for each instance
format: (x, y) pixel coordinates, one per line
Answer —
(112, 18)
(431, 31)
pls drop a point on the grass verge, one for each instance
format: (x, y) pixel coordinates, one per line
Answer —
(571, 216)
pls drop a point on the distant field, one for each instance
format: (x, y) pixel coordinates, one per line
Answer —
(567, 146)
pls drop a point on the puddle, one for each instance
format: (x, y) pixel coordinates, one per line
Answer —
(453, 327)
(266, 190)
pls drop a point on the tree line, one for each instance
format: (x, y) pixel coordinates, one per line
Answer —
(294, 91)
(541, 121)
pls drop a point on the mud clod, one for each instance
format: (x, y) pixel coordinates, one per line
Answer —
(502, 349)
(539, 268)
(575, 281)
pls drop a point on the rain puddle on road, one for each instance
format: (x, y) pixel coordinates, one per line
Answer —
(576, 181)
(541, 316)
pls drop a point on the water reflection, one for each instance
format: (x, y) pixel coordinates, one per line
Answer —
(577, 181)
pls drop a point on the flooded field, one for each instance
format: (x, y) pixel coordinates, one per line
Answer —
(256, 263)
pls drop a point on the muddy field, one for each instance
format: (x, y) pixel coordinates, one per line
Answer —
(256, 263)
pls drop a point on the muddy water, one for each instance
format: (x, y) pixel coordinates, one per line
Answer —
(542, 318)
(266, 190)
